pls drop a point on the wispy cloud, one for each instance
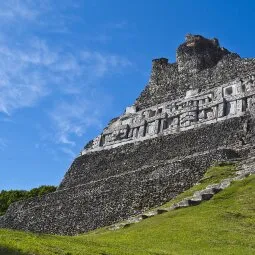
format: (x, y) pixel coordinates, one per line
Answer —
(22, 81)
(16, 9)
(30, 72)
(74, 118)
(34, 68)
(103, 63)
(68, 152)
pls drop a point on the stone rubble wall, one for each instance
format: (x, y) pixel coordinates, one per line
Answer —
(103, 202)
(105, 163)
(167, 83)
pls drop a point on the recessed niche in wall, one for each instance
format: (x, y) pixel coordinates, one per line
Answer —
(152, 113)
(228, 91)
(160, 110)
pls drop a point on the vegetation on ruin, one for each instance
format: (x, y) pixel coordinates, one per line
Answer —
(223, 225)
(11, 196)
(213, 175)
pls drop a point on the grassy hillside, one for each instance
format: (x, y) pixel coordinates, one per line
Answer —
(223, 225)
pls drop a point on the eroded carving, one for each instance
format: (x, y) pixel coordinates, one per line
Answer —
(228, 100)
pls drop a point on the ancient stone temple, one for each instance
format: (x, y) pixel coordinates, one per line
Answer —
(192, 114)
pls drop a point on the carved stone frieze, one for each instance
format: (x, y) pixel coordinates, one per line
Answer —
(228, 100)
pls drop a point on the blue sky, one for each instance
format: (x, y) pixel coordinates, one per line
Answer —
(67, 68)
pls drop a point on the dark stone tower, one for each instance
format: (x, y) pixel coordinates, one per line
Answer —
(198, 53)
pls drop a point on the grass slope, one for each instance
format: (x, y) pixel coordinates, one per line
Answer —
(223, 225)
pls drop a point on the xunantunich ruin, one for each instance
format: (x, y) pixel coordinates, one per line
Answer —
(192, 114)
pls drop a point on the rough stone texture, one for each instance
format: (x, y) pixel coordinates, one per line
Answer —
(106, 186)
(168, 83)
(109, 200)
(199, 53)
(103, 164)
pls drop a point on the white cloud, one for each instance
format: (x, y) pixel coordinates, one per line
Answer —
(103, 63)
(15, 9)
(74, 118)
(22, 81)
(68, 152)
(32, 68)
(30, 72)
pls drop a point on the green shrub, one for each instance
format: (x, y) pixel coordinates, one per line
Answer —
(8, 197)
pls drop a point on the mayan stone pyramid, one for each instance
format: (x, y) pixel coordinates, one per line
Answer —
(191, 114)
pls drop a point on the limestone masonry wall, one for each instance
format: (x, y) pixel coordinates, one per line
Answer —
(102, 164)
(192, 114)
(106, 201)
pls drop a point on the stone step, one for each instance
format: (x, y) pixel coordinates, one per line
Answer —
(246, 169)
(225, 183)
(184, 203)
(149, 214)
(161, 211)
(194, 201)
(135, 219)
(243, 174)
(128, 225)
(214, 188)
(204, 195)
(116, 226)
(247, 162)
(145, 216)
(249, 159)
(247, 165)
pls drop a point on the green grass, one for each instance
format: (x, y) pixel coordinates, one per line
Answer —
(213, 175)
(223, 225)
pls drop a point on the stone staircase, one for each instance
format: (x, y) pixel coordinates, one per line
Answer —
(247, 165)
(245, 168)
